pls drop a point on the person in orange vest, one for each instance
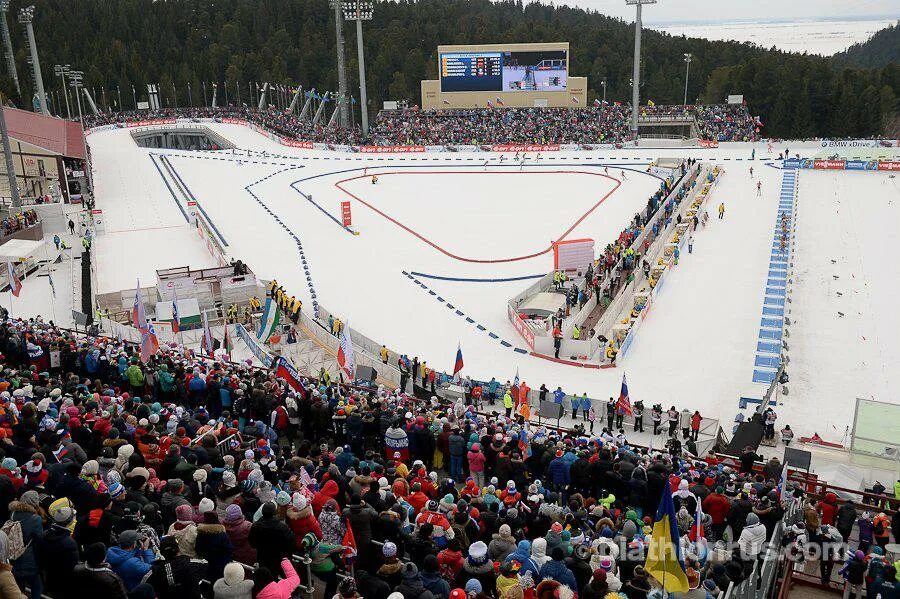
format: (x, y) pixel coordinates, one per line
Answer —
(524, 390)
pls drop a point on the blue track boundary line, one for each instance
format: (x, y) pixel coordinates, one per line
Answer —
(412, 277)
(169, 187)
(194, 198)
(294, 184)
(472, 279)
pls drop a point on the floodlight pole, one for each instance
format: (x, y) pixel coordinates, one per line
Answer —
(63, 71)
(7, 47)
(26, 16)
(636, 76)
(359, 11)
(8, 157)
(341, 64)
(687, 73)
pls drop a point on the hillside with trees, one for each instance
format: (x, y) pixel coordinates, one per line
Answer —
(878, 51)
(125, 43)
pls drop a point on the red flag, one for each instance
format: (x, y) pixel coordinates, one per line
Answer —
(349, 542)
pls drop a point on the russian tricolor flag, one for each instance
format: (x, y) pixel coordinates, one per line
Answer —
(15, 285)
(499, 101)
(458, 365)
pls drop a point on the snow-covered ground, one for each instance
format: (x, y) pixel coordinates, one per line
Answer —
(843, 342)
(695, 350)
(815, 37)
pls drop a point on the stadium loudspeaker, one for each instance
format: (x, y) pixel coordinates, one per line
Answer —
(366, 373)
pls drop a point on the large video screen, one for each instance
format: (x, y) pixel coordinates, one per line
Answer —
(509, 71)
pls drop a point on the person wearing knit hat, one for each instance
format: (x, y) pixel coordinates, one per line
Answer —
(473, 587)
(233, 584)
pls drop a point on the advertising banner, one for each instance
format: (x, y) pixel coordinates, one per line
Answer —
(889, 165)
(233, 121)
(861, 165)
(828, 164)
(391, 149)
(149, 122)
(296, 143)
(859, 143)
(464, 148)
(525, 148)
(435, 148)
(520, 326)
(708, 143)
(791, 163)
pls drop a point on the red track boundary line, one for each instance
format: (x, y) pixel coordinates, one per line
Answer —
(479, 260)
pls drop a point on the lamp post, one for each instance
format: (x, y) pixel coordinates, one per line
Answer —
(62, 71)
(7, 46)
(341, 66)
(190, 97)
(8, 158)
(119, 94)
(636, 77)
(359, 11)
(75, 79)
(134, 96)
(603, 83)
(687, 73)
(26, 17)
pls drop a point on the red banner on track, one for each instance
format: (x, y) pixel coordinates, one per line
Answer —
(390, 149)
(829, 164)
(889, 165)
(150, 122)
(525, 148)
(708, 143)
(520, 326)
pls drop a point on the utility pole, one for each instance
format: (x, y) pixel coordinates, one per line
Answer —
(636, 77)
(26, 16)
(7, 47)
(359, 11)
(687, 73)
(603, 83)
(7, 155)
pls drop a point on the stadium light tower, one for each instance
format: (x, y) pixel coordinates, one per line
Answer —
(341, 64)
(26, 17)
(359, 11)
(636, 78)
(7, 46)
(603, 83)
(62, 71)
(687, 73)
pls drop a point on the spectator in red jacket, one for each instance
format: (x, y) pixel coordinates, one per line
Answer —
(717, 505)
(827, 508)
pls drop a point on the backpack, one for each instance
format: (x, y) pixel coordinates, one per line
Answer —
(13, 530)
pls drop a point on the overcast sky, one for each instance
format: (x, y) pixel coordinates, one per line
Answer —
(728, 10)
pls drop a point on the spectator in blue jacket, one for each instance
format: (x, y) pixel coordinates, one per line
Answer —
(558, 469)
(130, 561)
(522, 554)
(556, 569)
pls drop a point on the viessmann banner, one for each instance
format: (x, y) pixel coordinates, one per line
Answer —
(843, 165)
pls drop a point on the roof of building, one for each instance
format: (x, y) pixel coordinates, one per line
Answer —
(50, 133)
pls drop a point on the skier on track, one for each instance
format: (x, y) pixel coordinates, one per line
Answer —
(759, 188)
(624, 176)
(486, 163)
(751, 172)
(374, 179)
(502, 158)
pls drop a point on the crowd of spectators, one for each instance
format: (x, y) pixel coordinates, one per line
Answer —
(607, 124)
(17, 222)
(185, 477)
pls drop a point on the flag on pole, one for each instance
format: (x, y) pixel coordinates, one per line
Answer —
(697, 532)
(458, 365)
(271, 317)
(149, 342)
(349, 543)
(597, 102)
(229, 344)
(345, 354)
(285, 370)
(499, 101)
(664, 554)
(624, 403)
(15, 285)
(206, 342)
(574, 99)
(175, 321)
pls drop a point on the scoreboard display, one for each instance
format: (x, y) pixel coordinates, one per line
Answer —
(471, 71)
(503, 71)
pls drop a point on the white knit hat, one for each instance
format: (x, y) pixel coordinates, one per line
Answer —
(234, 574)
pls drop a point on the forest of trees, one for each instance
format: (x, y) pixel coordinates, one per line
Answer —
(120, 43)
(880, 50)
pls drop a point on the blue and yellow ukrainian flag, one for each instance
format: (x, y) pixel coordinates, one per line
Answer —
(664, 554)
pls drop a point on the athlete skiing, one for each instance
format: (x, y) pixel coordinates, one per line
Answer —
(374, 179)
(759, 188)
(751, 172)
